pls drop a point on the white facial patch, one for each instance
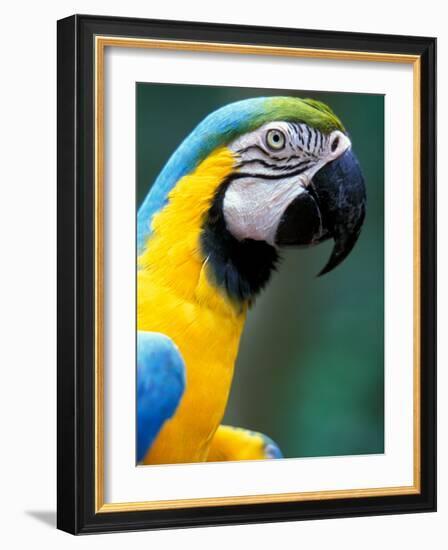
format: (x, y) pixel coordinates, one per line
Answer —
(277, 163)
(253, 208)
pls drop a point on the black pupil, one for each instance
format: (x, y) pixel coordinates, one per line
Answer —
(276, 138)
(334, 145)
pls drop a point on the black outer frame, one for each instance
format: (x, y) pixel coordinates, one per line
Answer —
(75, 403)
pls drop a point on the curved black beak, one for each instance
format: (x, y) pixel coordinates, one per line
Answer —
(332, 207)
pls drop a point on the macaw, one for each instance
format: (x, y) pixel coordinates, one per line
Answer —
(253, 177)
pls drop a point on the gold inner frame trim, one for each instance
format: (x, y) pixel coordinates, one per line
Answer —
(101, 42)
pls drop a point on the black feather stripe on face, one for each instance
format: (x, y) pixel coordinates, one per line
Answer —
(240, 268)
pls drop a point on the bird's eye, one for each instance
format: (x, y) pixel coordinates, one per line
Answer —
(275, 139)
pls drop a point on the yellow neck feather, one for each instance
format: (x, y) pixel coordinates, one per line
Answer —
(173, 256)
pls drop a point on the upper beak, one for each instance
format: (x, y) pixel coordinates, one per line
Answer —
(333, 206)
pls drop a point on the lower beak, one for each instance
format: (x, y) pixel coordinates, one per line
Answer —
(333, 206)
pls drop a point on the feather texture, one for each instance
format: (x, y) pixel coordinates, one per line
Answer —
(177, 298)
(160, 385)
(232, 443)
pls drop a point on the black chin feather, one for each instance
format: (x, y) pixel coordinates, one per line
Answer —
(241, 268)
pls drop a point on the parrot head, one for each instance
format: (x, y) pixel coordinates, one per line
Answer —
(295, 181)
(296, 184)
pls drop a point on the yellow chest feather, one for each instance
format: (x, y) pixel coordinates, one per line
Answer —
(176, 297)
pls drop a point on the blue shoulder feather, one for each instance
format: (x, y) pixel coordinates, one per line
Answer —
(160, 385)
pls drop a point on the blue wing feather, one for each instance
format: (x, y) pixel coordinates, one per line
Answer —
(160, 385)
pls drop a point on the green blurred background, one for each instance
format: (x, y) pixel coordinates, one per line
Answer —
(310, 372)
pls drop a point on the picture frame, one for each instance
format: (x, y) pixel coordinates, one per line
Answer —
(82, 132)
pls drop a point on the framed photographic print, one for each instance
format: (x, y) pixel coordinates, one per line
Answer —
(246, 274)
